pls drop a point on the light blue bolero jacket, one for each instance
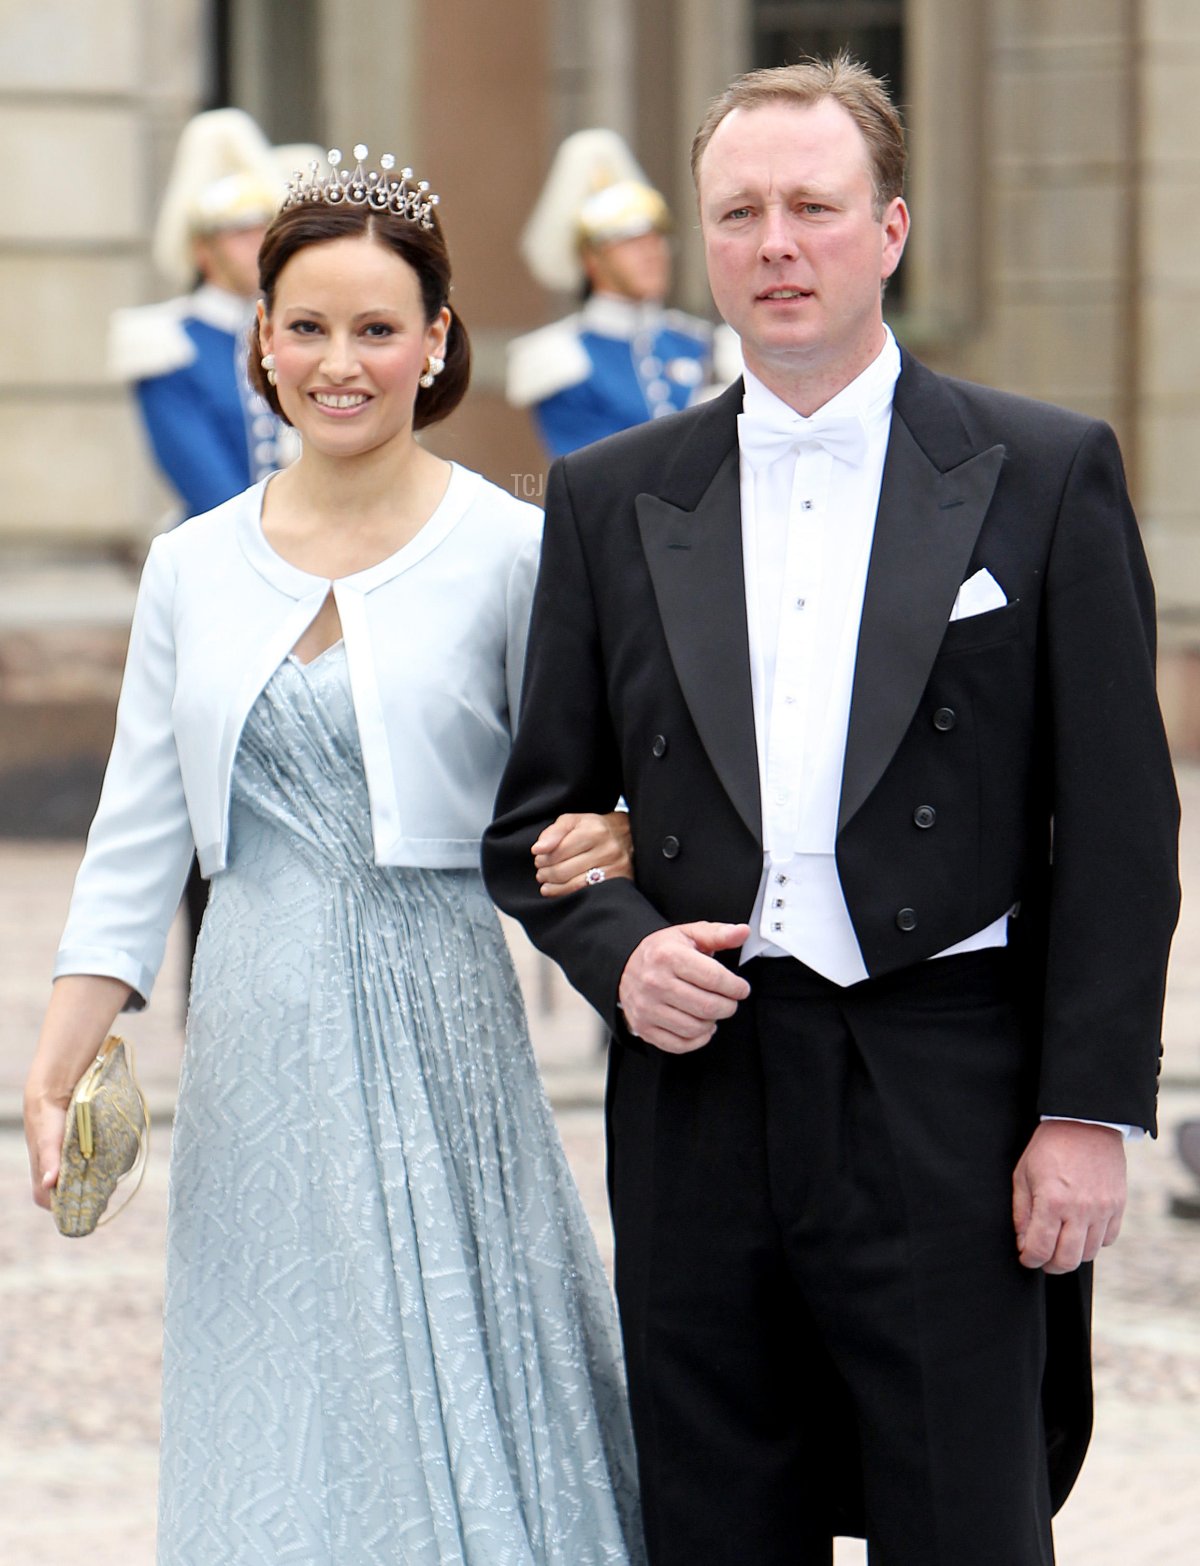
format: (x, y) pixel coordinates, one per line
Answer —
(435, 645)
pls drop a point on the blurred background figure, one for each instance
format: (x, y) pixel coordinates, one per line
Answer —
(1187, 1141)
(211, 434)
(599, 230)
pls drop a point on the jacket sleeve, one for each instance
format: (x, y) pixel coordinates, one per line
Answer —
(565, 758)
(140, 843)
(1113, 883)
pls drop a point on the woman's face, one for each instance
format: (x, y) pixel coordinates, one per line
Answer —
(350, 339)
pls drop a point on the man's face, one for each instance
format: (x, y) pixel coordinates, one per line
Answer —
(796, 255)
(633, 268)
(229, 259)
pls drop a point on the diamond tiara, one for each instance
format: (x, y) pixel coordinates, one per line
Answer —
(384, 190)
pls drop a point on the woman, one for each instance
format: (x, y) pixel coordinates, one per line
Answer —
(388, 1336)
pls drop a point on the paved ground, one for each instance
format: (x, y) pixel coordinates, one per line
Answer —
(79, 1324)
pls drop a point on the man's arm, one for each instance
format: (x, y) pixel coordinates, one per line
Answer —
(1114, 893)
(565, 757)
(1113, 884)
(651, 981)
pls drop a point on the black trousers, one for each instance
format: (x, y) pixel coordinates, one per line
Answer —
(826, 1324)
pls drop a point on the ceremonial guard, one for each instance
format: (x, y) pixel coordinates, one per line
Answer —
(211, 434)
(599, 230)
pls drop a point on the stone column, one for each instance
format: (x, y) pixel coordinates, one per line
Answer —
(1057, 204)
(83, 92)
(483, 91)
(91, 99)
(714, 47)
(1169, 356)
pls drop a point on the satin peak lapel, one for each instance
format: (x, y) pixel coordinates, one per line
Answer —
(925, 532)
(695, 563)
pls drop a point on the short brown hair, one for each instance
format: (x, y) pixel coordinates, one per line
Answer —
(864, 97)
(424, 249)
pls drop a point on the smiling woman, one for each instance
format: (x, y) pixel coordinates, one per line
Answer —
(386, 1319)
(362, 350)
(426, 261)
(350, 343)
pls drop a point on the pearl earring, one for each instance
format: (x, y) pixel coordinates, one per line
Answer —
(268, 364)
(433, 368)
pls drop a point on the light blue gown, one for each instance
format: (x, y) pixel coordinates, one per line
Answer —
(388, 1336)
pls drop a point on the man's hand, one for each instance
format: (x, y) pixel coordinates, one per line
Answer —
(1068, 1194)
(673, 991)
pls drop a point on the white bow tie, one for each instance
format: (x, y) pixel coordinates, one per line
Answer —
(763, 440)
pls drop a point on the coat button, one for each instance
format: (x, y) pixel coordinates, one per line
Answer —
(906, 920)
(924, 816)
(659, 748)
(944, 719)
(670, 847)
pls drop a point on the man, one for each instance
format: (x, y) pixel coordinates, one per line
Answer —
(211, 434)
(600, 229)
(870, 654)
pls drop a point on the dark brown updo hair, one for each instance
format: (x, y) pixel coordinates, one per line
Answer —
(424, 249)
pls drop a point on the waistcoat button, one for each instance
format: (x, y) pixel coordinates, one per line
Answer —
(924, 816)
(944, 719)
(670, 847)
(906, 920)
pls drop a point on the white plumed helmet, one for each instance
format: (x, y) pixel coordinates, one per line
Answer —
(595, 193)
(224, 176)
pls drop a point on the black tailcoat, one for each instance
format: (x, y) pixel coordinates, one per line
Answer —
(1033, 730)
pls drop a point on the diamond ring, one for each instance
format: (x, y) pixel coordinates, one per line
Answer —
(594, 876)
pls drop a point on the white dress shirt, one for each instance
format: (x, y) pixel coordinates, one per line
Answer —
(808, 521)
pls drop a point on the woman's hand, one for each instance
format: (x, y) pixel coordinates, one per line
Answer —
(574, 844)
(82, 1009)
(45, 1122)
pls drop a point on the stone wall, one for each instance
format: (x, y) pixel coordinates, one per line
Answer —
(1059, 206)
(1169, 346)
(1074, 271)
(87, 96)
(91, 100)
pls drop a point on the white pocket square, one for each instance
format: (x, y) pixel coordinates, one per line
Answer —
(977, 595)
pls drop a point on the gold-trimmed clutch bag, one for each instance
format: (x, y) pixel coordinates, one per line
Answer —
(107, 1138)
